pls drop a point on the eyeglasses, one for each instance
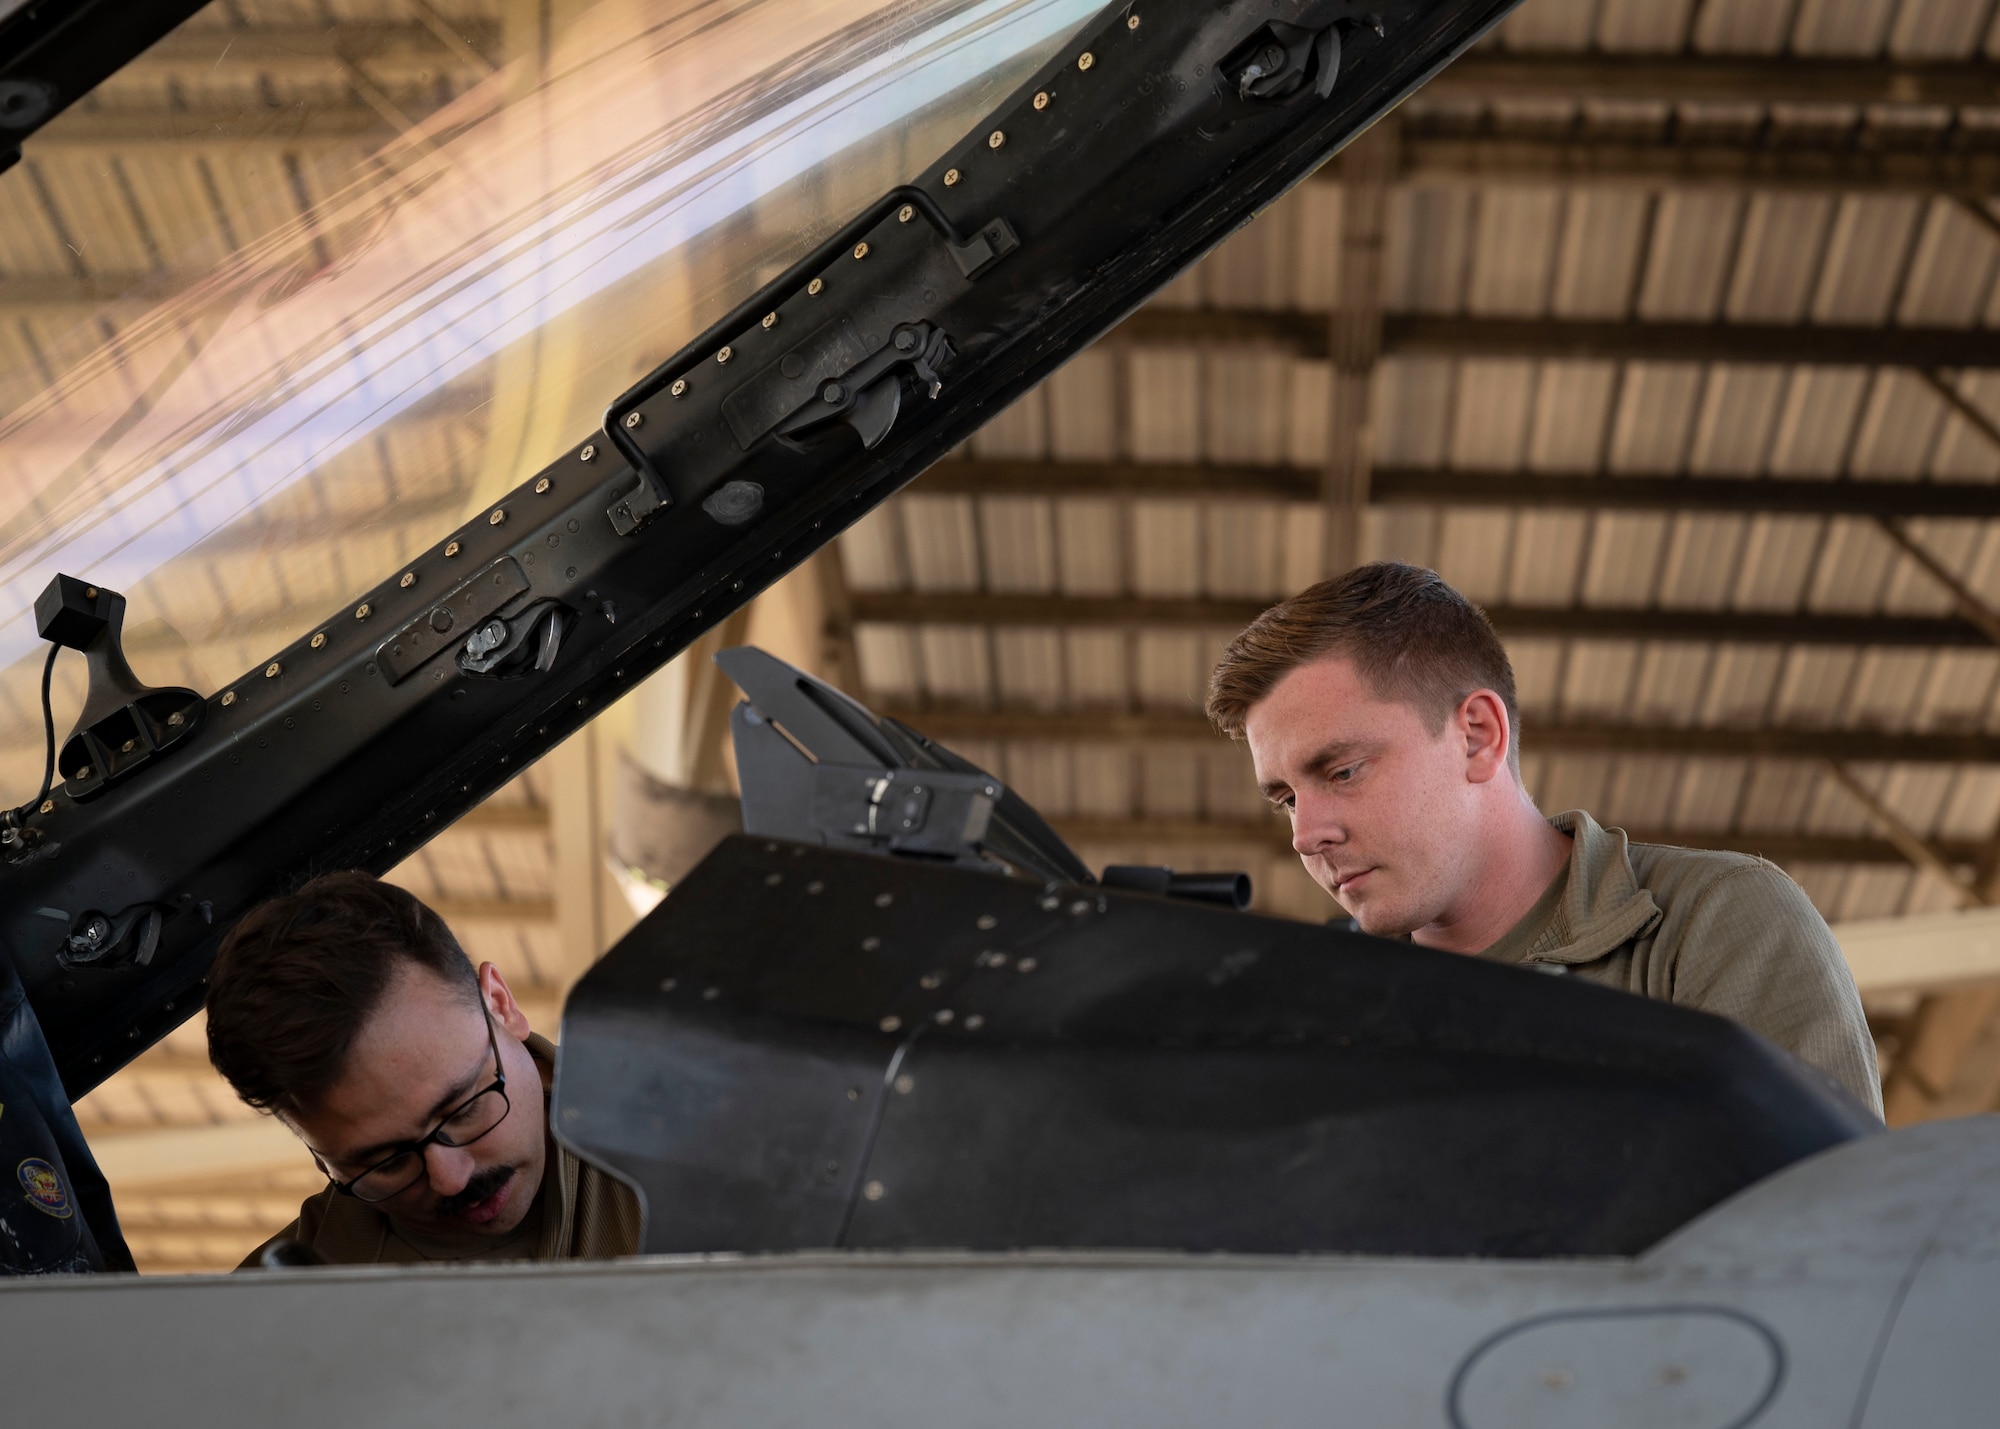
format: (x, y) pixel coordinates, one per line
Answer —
(404, 1167)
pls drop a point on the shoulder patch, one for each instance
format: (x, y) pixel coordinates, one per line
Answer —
(46, 1192)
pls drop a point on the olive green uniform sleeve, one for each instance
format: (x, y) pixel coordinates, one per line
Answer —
(1754, 949)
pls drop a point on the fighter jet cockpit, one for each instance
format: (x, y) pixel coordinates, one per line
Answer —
(928, 1115)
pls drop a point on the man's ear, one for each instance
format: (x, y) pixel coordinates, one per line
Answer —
(499, 1000)
(1489, 735)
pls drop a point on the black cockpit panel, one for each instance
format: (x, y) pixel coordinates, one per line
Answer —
(807, 1047)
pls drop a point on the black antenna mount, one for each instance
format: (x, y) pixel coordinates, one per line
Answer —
(125, 724)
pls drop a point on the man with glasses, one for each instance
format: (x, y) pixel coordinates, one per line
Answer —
(349, 1011)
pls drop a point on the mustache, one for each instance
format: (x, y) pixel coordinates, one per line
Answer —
(482, 1185)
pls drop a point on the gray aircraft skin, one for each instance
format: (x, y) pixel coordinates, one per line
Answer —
(1857, 1288)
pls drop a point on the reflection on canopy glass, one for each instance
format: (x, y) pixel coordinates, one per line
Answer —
(246, 441)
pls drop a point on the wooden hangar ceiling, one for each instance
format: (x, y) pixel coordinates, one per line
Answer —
(1663, 329)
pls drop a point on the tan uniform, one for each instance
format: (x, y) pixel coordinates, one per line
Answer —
(1719, 932)
(579, 1214)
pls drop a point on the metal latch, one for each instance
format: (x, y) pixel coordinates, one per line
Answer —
(908, 810)
(451, 620)
(869, 396)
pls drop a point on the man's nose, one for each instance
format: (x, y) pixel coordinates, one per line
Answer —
(1314, 828)
(448, 1167)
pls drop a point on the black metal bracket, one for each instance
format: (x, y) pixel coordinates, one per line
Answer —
(126, 724)
(915, 811)
(1228, 890)
(812, 762)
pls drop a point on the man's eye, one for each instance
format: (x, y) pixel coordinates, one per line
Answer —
(1343, 774)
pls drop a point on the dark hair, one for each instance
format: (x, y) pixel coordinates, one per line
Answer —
(1410, 635)
(296, 979)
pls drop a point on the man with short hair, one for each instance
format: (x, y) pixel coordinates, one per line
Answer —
(350, 1012)
(1380, 712)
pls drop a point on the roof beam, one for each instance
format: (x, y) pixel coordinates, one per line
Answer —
(1911, 844)
(293, 127)
(1716, 79)
(136, 1158)
(318, 50)
(1738, 495)
(1305, 335)
(1484, 76)
(1928, 951)
(1084, 726)
(1424, 486)
(1270, 836)
(35, 293)
(1694, 342)
(494, 910)
(1569, 622)
(1095, 478)
(1428, 160)
(1436, 160)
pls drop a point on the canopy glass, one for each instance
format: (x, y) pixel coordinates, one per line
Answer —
(269, 368)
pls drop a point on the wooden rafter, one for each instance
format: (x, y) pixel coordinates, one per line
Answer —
(1561, 339)
(1437, 156)
(1087, 726)
(1711, 78)
(1429, 159)
(1269, 835)
(1444, 486)
(1572, 622)
(1907, 841)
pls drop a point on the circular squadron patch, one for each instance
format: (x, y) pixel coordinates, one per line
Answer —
(46, 1192)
